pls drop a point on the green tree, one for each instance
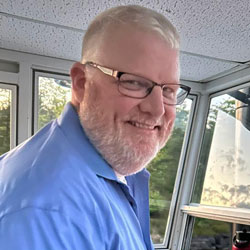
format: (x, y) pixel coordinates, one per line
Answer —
(51, 99)
(163, 171)
(5, 104)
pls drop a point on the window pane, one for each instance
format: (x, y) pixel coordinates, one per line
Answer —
(163, 171)
(53, 94)
(5, 120)
(211, 234)
(224, 164)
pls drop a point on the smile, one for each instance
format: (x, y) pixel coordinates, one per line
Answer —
(143, 125)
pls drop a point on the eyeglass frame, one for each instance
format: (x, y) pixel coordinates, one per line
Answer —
(117, 74)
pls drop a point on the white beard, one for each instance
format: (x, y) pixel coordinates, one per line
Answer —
(121, 152)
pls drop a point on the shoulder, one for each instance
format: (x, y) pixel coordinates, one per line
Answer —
(42, 172)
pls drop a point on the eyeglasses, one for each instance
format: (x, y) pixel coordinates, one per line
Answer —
(139, 87)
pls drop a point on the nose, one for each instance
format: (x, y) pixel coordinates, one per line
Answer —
(153, 103)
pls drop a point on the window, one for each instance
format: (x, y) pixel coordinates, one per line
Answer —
(224, 172)
(163, 170)
(221, 187)
(52, 93)
(7, 117)
(211, 234)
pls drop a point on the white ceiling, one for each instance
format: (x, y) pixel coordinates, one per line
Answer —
(215, 34)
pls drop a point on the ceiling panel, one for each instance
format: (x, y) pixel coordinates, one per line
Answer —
(195, 68)
(43, 40)
(217, 29)
(74, 13)
(68, 13)
(63, 43)
(213, 28)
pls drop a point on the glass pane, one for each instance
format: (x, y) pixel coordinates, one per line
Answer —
(163, 172)
(5, 120)
(53, 94)
(211, 234)
(224, 164)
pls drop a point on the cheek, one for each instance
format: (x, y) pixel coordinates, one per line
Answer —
(123, 106)
(170, 115)
(173, 113)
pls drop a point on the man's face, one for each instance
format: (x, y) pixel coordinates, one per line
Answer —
(129, 132)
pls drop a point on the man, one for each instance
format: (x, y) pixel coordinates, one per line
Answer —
(80, 182)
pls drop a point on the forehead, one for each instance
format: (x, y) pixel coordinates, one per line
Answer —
(138, 51)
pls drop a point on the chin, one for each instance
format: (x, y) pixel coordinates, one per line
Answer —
(135, 164)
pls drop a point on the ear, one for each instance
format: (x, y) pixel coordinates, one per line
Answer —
(77, 74)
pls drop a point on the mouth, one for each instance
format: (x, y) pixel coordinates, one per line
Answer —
(145, 126)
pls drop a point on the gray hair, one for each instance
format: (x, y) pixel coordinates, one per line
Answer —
(138, 16)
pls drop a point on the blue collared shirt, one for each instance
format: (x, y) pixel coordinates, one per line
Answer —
(57, 192)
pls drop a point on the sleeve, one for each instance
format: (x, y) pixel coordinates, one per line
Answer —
(40, 229)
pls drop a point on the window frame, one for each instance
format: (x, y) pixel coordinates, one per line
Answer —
(13, 112)
(227, 214)
(36, 75)
(195, 206)
(188, 211)
(179, 175)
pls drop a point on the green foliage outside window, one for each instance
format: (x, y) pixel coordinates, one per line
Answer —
(211, 234)
(163, 171)
(205, 227)
(5, 104)
(52, 97)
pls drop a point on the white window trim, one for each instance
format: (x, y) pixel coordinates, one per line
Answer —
(230, 81)
(233, 215)
(185, 209)
(189, 169)
(13, 111)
